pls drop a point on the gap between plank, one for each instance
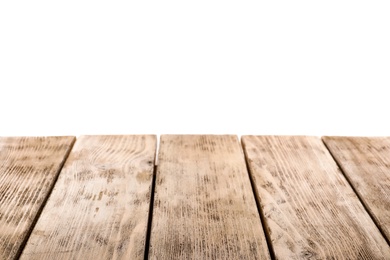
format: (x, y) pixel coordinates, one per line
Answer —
(35, 220)
(158, 138)
(355, 191)
(150, 217)
(257, 199)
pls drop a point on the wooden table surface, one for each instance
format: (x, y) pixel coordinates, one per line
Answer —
(201, 197)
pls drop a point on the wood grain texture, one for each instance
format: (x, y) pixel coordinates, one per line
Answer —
(204, 207)
(311, 212)
(29, 167)
(366, 163)
(99, 206)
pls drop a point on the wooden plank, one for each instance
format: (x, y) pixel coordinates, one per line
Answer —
(366, 163)
(28, 169)
(310, 209)
(100, 204)
(204, 207)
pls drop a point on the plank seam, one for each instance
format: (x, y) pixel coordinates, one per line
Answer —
(51, 188)
(257, 199)
(355, 191)
(150, 217)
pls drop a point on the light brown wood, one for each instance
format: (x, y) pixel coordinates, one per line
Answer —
(204, 207)
(311, 211)
(28, 169)
(99, 206)
(366, 163)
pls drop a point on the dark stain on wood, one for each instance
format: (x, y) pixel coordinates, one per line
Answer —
(99, 207)
(204, 207)
(320, 217)
(365, 162)
(28, 169)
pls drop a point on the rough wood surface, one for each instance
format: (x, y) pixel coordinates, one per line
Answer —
(366, 163)
(99, 206)
(28, 169)
(204, 207)
(311, 211)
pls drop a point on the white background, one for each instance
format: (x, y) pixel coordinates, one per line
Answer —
(238, 67)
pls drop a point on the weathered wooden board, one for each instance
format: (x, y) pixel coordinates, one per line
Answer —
(204, 207)
(366, 163)
(29, 166)
(310, 209)
(99, 206)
